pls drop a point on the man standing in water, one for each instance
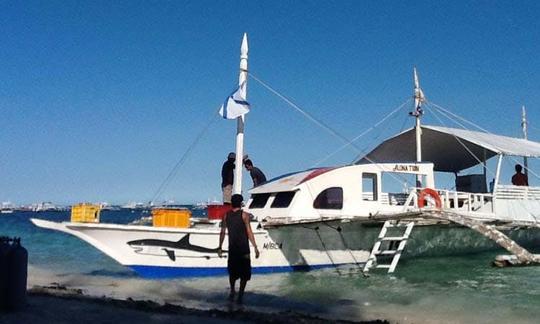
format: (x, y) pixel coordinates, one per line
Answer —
(227, 178)
(236, 223)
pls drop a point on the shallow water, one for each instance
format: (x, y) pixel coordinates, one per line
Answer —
(457, 289)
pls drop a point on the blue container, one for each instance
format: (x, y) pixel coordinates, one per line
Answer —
(13, 275)
(5, 248)
(18, 274)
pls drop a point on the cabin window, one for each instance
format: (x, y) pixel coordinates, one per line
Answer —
(369, 186)
(331, 198)
(283, 199)
(259, 200)
(396, 186)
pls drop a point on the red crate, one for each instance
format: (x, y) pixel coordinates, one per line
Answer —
(217, 211)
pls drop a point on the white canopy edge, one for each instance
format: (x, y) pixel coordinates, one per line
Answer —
(499, 144)
(444, 147)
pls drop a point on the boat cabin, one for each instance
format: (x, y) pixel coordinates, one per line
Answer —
(347, 191)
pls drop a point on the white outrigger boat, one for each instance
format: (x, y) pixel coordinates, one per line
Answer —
(327, 217)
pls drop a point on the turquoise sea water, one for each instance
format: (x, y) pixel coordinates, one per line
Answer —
(459, 289)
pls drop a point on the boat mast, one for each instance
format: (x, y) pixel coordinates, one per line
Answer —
(242, 78)
(417, 113)
(524, 128)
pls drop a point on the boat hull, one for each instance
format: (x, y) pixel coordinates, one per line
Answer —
(192, 252)
(426, 240)
(175, 252)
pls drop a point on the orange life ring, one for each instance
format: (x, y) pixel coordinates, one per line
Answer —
(431, 193)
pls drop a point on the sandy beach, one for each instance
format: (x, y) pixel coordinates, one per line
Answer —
(59, 304)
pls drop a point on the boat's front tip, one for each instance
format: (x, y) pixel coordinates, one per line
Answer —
(48, 224)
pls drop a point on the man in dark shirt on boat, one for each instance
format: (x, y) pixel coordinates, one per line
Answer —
(520, 179)
(236, 224)
(257, 175)
(227, 178)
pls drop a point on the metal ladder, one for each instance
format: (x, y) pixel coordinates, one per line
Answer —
(376, 251)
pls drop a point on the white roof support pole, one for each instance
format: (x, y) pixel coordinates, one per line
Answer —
(497, 177)
(240, 120)
(418, 150)
(524, 128)
(485, 167)
(498, 172)
(418, 140)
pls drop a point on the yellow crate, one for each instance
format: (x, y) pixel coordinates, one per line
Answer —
(163, 217)
(85, 213)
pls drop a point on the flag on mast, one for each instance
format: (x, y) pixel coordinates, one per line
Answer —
(418, 96)
(235, 105)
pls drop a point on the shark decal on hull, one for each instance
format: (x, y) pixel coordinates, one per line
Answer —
(169, 248)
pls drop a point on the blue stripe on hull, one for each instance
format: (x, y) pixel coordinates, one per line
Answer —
(157, 272)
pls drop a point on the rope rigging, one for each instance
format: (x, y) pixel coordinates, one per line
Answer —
(363, 133)
(183, 159)
(340, 232)
(436, 110)
(459, 117)
(326, 127)
(166, 182)
(446, 112)
(305, 114)
(461, 143)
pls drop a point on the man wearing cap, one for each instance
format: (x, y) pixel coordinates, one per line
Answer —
(227, 178)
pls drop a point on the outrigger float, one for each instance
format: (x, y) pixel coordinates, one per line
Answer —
(353, 214)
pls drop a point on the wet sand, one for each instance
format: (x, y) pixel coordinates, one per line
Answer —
(59, 304)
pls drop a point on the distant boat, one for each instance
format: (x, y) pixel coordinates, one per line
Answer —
(7, 208)
(135, 205)
(201, 205)
(47, 206)
(107, 206)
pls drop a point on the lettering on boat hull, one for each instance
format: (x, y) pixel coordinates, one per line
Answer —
(272, 246)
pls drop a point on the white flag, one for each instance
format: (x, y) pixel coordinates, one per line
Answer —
(235, 105)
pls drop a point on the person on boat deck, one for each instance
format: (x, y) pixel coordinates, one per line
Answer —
(227, 178)
(520, 179)
(257, 175)
(236, 224)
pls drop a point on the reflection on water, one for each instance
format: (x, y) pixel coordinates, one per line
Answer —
(423, 290)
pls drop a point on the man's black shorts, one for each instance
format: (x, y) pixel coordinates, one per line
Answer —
(239, 266)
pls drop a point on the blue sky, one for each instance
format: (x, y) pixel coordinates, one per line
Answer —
(99, 99)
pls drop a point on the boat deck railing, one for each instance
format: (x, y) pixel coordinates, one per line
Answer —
(469, 202)
(510, 192)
